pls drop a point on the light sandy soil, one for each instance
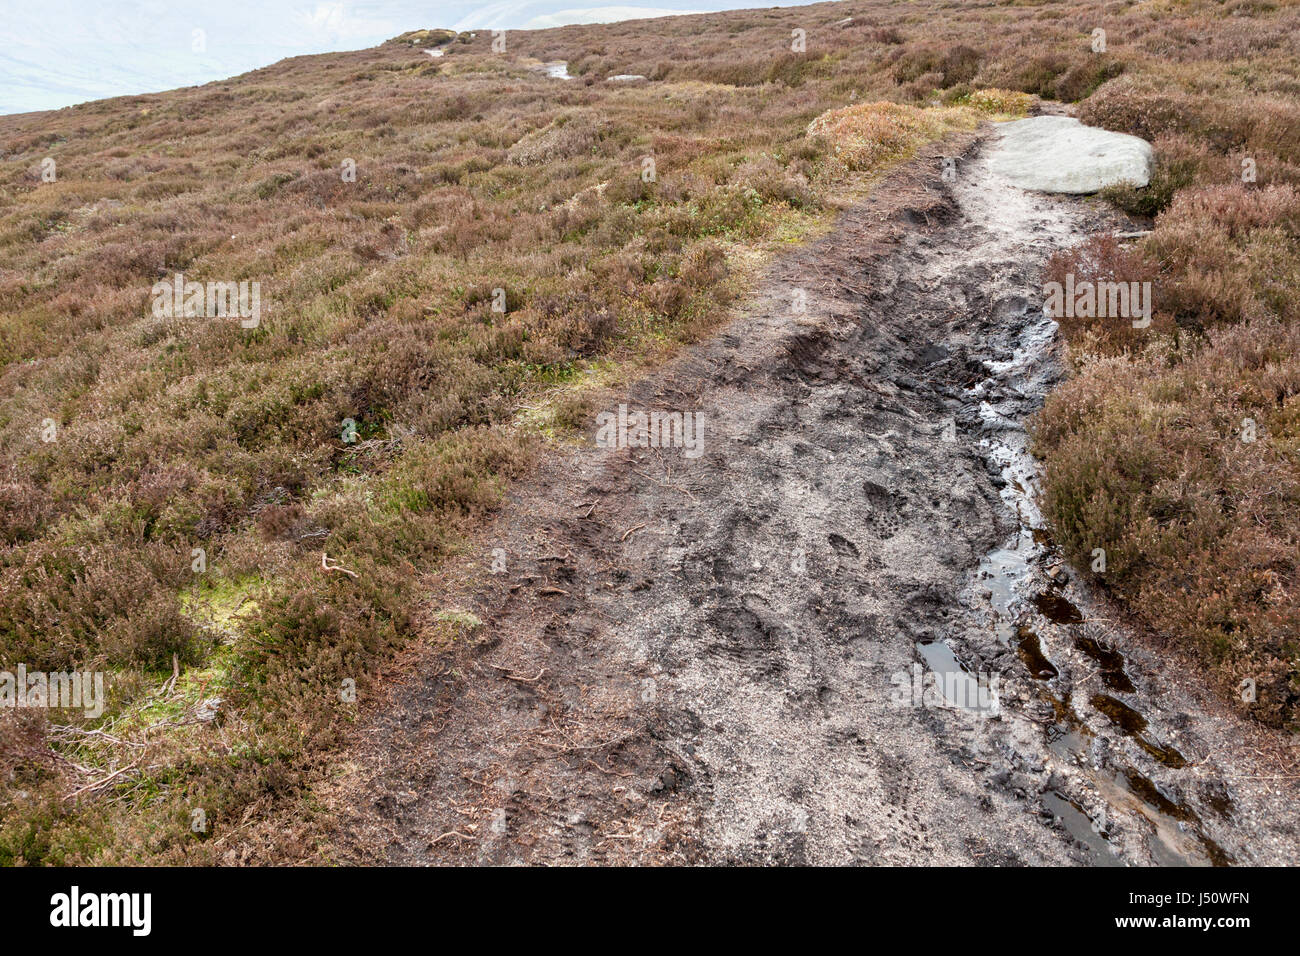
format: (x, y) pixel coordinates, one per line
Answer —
(696, 660)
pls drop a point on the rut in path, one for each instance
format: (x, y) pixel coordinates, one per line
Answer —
(699, 659)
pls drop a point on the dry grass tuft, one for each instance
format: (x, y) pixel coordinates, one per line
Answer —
(1001, 102)
(867, 137)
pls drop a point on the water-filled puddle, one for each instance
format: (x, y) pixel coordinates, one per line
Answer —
(1083, 828)
(1031, 654)
(1175, 837)
(1020, 612)
(959, 687)
(1000, 572)
(1109, 661)
(1121, 714)
(1057, 609)
(1134, 725)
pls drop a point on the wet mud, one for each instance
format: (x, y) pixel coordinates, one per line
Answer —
(841, 634)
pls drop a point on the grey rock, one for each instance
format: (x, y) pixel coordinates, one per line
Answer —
(1058, 154)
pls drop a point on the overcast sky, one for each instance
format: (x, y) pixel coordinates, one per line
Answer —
(59, 52)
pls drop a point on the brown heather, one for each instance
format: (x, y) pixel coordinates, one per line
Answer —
(1145, 445)
(476, 172)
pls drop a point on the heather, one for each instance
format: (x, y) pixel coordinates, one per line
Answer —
(234, 523)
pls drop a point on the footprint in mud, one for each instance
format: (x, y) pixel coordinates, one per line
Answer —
(843, 546)
(931, 355)
(1057, 609)
(1031, 654)
(886, 508)
(885, 525)
(750, 639)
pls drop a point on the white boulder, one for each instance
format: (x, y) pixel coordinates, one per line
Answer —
(1058, 154)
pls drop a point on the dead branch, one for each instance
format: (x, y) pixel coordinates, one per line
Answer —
(512, 676)
(170, 684)
(324, 563)
(96, 785)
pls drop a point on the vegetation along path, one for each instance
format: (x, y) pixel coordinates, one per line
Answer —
(839, 633)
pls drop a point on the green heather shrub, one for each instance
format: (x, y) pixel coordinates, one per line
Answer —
(1178, 164)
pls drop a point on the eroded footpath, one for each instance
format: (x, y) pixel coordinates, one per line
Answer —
(730, 658)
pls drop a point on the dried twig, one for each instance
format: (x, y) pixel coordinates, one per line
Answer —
(60, 731)
(99, 783)
(170, 684)
(324, 563)
(608, 770)
(512, 676)
(664, 484)
(572, 746)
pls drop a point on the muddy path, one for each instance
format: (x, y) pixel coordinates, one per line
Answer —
(731, 658)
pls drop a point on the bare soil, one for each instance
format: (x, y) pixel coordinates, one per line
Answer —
(695, 660)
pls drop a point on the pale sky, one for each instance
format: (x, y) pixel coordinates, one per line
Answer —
(56, 53)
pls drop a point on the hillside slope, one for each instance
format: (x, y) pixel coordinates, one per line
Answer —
(234, 519)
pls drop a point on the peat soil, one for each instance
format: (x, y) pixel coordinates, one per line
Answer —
(731, 658)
